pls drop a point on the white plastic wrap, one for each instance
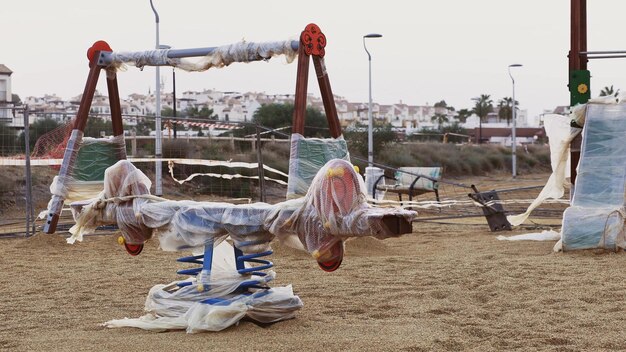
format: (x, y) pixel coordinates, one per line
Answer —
(560, 136)
(602, 168)
(333, 210)
(595, 219)
(117, 204)
(372, 175)
(220, 57)
(88, 157)
(307, 157)
(587, 228)
(169, 307)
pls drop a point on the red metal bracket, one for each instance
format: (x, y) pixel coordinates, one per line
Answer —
(314, 40)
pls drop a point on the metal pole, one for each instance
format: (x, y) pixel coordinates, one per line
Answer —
(30, 214)
(174, 99)
(107, 58)
(370, 122)
(513, 132)
(158, 190)
(514, 142)
(259, 159)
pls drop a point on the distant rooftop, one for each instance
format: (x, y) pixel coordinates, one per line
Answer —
(5, 70)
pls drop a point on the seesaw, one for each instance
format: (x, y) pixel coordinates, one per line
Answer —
(231, 243)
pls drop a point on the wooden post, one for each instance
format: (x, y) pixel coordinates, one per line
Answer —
(327, 96)
(302, 80)
(67, 166)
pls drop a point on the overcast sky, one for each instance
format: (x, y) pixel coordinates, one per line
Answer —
(430, 50)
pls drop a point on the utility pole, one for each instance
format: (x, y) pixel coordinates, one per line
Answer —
(579, 76)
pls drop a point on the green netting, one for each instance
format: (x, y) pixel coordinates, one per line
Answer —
(93, 159)
(307, 157)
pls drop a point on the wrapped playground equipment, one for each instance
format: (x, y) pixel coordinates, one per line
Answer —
(307, 156)
(334, 209)
(596, 216)
(228, 242)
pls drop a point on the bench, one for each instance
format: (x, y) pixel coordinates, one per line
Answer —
(412, 181)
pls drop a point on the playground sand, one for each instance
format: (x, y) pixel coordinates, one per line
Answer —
(445, 287)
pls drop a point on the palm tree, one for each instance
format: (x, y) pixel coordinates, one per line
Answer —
(463, 114)
(484, 105)
(440, 119)
(606, 91)
(506, 109)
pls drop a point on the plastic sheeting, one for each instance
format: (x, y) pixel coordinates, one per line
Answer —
(219, 57)
(595, 219)
(196, 309)
(90, 158)
(560, 136)
(545, 235)
(335, 208)
(307, 157)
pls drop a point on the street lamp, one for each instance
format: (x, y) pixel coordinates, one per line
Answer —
(163, 46)
(513, 141)
(158, 190)
(370, 123)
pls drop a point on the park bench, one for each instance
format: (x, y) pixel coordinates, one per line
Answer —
(412, 181)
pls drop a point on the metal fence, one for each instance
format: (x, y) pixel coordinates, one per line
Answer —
(202, 160)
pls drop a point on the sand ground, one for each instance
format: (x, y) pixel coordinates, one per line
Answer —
(442, 288)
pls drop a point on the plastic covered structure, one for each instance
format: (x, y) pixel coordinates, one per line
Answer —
(307, 157)
(595, 218)
(333, 210)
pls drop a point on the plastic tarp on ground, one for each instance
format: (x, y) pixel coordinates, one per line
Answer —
(595, 218)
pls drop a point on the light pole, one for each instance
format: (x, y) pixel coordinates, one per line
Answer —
(513, 141)
(158, 190)
(370, 123)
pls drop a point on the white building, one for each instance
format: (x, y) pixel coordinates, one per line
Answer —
(6, 96)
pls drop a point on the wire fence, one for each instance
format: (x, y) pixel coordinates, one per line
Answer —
(203, 160)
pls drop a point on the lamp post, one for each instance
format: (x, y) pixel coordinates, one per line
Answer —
(158, 190)
(174, 99)
(513, 141)
(370, 123)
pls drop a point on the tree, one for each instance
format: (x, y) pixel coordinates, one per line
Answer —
(505, 111)
(358, 141)
(7, 140)
(463, 114)
(202, 113)
(38, 129)
(443, 104)
(606, 91)
(96, 126)
(483, 106)
(281, 115)
(167, 111)
(440, 119)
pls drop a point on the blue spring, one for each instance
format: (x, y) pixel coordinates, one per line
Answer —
(205, 260)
